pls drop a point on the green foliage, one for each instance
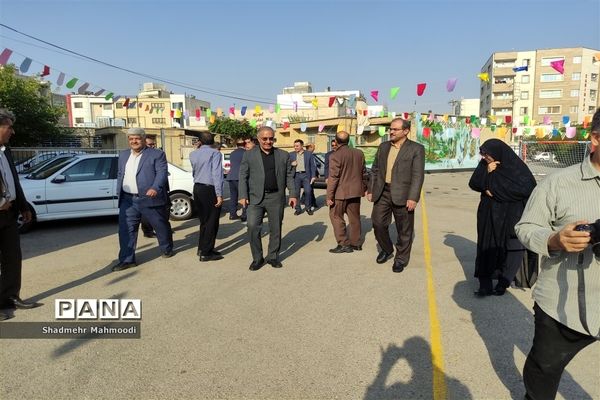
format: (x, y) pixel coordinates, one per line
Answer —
(296, 118)
(37, 120)
(233, 128)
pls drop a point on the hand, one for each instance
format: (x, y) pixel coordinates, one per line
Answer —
(243, 202)
(330, 202)
(569, 240)
(151, 193)
(312, 180)
(26, 216)
(411, 205)
(293, 202)
(370, 196)
(294, 163)
(5, 206)
(489, 193)
(219, 201)
(492, 166)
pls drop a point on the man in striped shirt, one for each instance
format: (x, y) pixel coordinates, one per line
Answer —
(567, 292)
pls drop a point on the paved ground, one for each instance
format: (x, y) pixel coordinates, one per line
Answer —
(324, 327)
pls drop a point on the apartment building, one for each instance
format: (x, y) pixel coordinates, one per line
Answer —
(89, 111)
(524, 84)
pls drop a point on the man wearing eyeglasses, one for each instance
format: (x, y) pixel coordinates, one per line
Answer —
(397, 176)
(265, 172)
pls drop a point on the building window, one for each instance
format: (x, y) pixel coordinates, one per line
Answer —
(523, 110)
(159, 121)
(107, 106)
(594, 77)
(593, 94)
(525, 79)
(576, 76)
(549, 110)
(311, 137)
(575, 93)
(591, 109)
(551, 94)
(78, 105)
(573, 109)
(547, 60)
(552, 78)
(577, 60)
(524, 95)
(79, 120)
(132, 120)
(157, 105)
(526, 62)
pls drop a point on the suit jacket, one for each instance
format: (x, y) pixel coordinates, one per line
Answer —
(346, 177)
(310, 164)
(252, 175)
(326, 166)
(152, 173)
(20, 202)
(408, 172)
(235, 159)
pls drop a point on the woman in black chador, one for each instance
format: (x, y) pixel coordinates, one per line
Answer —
(505, 184)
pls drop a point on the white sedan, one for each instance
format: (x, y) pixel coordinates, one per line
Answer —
(86, 186)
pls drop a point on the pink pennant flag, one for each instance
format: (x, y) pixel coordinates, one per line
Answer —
(6, 53)
(321, 127)
(232, 110)
(547, 120)
(286, 125)
(451, 84)
(375, 94)
(475, 132)
(271, 108)
(571, 132)
(431, 117)
(558, 65)
(421, 89)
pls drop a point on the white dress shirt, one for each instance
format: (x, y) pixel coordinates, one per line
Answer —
(131, 168)
(9, 191)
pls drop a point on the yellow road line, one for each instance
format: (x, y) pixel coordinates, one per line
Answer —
(437, 353)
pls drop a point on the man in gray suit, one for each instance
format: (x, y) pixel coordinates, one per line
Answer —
(265, 172)
(397, 176)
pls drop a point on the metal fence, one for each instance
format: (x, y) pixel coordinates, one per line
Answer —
(28, 157)
(545, 157)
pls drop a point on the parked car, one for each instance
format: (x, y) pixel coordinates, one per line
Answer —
(544, 156)
(86, 186)
(39, 158)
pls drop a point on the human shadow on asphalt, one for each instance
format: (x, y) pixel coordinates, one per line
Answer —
(74, 344)
(417, 354)
(503, 323)
(299, 237)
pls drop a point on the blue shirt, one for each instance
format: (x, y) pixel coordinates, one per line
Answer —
(207, 167)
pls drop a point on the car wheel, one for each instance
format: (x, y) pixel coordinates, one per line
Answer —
(26, 227)
(181, 207)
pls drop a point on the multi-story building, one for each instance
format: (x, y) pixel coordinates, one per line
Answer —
(539, 91)
(156, 107)
(465, 107)
(89, 111)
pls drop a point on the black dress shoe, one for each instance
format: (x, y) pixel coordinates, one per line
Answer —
(398, 266)
(233, 217)
(484, 292)
(256, 265)
(275, 263)
(149, 234)
(341, 249)
(383, 257)
(122, 266)
(310, 212)
(17, 302)
(243, 218)
(215, 252)
(168, 254)
(356, 248)
(211, 257)
(298, 212)
(4, 316)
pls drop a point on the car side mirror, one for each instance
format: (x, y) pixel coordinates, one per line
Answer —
(59, 179)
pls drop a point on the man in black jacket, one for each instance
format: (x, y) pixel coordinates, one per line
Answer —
(12, 202)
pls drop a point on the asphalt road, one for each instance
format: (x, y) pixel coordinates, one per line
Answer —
(325, 326)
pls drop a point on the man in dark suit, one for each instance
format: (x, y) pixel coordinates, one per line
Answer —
(305, 173)
(142, 188)
(346, 184)
(233, 179)
(12, 202)
(265, 172)
(397, 176)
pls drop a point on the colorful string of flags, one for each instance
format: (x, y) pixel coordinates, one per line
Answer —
(85, 88)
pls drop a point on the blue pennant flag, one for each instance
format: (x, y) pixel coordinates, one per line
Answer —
(518, 69)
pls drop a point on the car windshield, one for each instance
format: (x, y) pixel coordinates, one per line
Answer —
(41, 165)
(50, 167)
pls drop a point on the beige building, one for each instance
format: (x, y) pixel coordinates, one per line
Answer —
(541, 91)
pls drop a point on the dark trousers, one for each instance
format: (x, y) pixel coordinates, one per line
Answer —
(554, 345)
(273, 204)
(302, 180)
(233, 199)
(10, 255)
(205, 199)
(130, 215)
(383, 209)
(514, 261)
(350, 207)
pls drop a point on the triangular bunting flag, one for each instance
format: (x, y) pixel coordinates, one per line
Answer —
(125, 104)
(6, 53)
(375, 95)
(83, 88)
(45, 71)
(394, 92)
(321, 127)
(331, 101)
(451, 84)
(25, 65)
(71, 84)
(243, 110)
(99, 92)
(558, 65)
(61, 79)
(421, 89)
(484, 76)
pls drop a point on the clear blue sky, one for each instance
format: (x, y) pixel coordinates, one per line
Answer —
(255, 48)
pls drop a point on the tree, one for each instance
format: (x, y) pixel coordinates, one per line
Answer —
(233, 128)
(36, 119)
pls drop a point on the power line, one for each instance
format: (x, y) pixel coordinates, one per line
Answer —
(213, 92)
